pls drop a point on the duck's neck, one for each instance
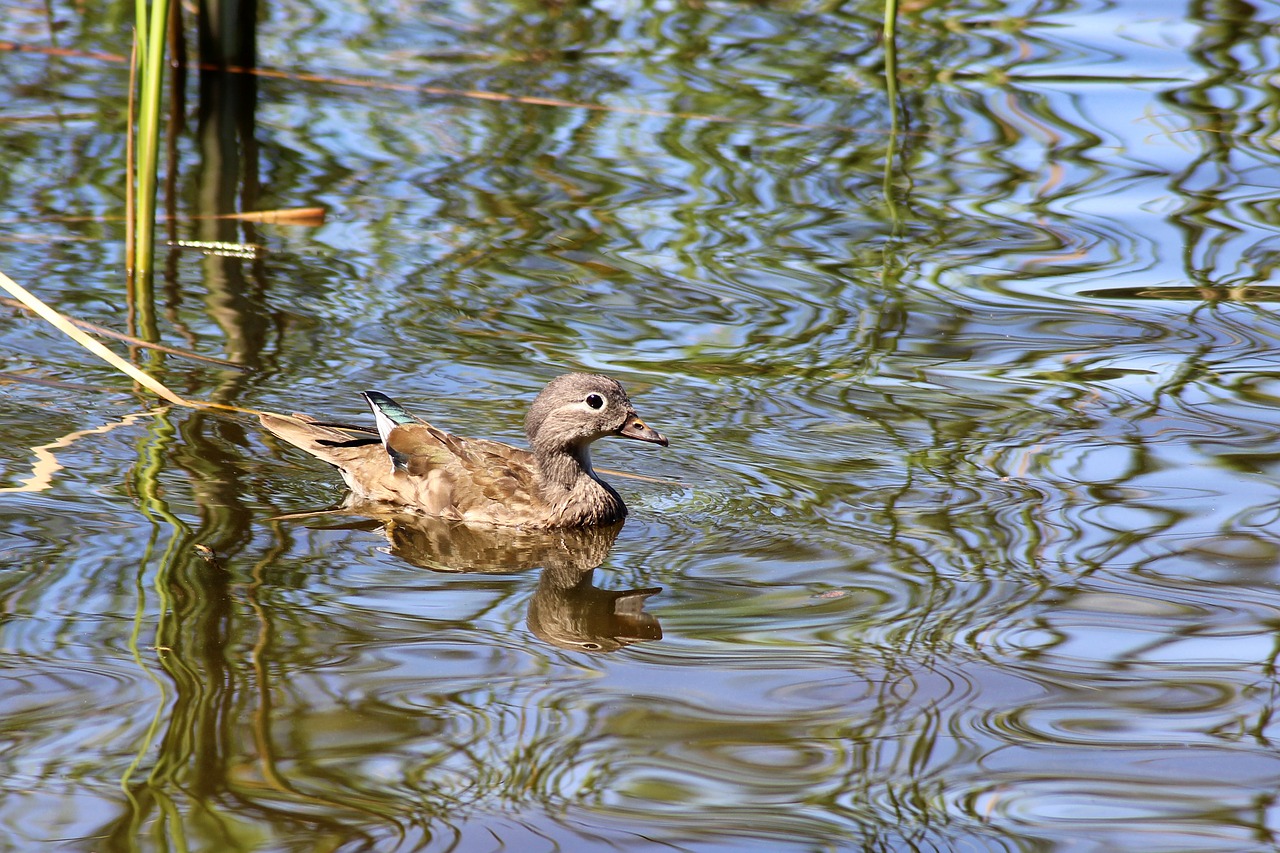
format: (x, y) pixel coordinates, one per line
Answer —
(569, 482)
(566, 467)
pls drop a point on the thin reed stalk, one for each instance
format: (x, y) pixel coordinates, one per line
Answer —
(150, 30)
(891, 94)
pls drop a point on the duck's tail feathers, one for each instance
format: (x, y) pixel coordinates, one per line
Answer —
(324, 441)
(387, 413)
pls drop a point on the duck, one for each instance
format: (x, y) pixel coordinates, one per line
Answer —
(406, 464)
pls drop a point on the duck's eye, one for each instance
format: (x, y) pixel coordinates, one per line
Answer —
(595, 401)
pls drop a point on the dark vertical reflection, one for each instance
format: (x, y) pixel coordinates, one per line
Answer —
(227, 176)
(177, 126)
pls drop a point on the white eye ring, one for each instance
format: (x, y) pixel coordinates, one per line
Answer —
(595, 401)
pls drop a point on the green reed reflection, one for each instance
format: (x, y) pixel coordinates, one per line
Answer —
(891, 98)
(1214, 185)
(155, 791)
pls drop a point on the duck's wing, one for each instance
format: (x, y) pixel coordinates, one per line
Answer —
(409, 463)
(467, 479)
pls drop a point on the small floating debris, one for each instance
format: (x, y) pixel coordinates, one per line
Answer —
(207, 554)
(221, 249)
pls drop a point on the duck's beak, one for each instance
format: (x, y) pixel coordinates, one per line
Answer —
(635, 428)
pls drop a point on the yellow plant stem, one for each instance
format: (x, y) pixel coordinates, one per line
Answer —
(65, 326)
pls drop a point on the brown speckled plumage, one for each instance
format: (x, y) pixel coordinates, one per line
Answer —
(413, 465)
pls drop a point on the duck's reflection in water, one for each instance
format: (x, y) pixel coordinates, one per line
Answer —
(567, 610)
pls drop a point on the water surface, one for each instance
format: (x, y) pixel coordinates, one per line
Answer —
(967, 535)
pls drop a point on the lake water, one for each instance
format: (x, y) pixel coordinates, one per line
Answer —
(968, 536)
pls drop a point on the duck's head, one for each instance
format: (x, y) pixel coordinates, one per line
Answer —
(577, 408)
